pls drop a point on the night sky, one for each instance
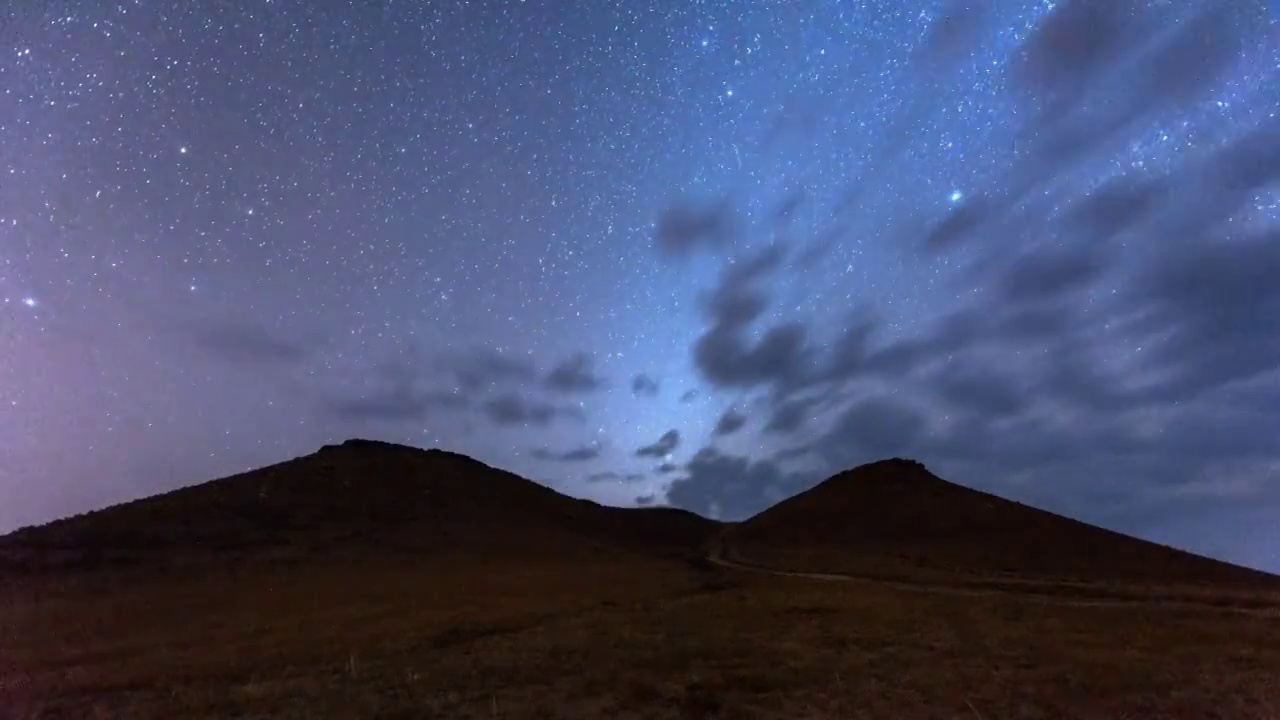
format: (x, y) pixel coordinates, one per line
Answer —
(704, 253)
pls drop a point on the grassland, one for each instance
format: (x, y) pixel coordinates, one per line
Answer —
(485, 638)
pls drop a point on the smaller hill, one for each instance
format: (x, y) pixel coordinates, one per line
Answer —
(359, 498)
(894, 517)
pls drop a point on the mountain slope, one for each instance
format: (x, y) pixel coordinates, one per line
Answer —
(894, 517)
(359, 497)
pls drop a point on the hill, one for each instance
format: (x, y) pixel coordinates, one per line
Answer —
(894, 518)
(355, 498)
(373, 580)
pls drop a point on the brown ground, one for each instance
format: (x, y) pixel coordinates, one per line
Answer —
(644, 640)
(381, 628)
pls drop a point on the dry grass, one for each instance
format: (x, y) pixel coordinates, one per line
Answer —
(611, 639)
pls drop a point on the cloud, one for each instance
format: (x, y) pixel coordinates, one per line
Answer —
(1051, 272)
(789, 415)
(243, 341)
(973, 386)
(1215, 312)
(575, 374)
(727, 360)
(485, 367)
(729, 423)
(665, 445)
(688, 396)
(666, 468)
(1086, 83)
(872, 429)
(728, 487)
(579, 454)
(1114, 344)
(512, 409)
(687, 227)
(396, 389)
(610, 476)
(723, 354)
(392, 405)
(646, 500)
(953, 35)
(643, 384)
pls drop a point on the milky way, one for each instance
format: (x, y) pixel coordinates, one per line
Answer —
(703, 252)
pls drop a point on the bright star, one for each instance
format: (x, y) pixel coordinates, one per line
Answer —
(29, 302)
(956, 196)
(183, 149)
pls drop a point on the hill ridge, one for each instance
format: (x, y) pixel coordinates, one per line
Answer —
(889, 515)
(359, 496)
(895, 514)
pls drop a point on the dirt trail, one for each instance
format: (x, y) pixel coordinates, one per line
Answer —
(1046, 591)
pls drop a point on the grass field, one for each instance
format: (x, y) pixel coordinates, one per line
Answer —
(641, 638)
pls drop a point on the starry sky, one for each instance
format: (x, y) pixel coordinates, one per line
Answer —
(705, 253)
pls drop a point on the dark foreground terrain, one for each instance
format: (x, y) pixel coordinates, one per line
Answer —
(375, 581)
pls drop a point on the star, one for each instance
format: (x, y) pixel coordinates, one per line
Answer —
(421, 233)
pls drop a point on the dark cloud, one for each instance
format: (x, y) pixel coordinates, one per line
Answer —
(963, 223)
(728, 487)
(1115, 207)
(512, 409)
(1051, 272)
(688, 396)
(644, 385)
(728, 360)
(392, 405)
(483, 367)
(1202, 198)
(979, 387)
(575, 374)
(872, 429)
(1088, 84)
(646, 500)
(688, 227)
(1112, 347)
(665, 445)
(580, 454)
(1215, 309)
(249, 342)
(953, 35)
(397, 389)
(729, 423)
(1202, 46)
(789, 415)
(1070, 52)
(723, 354)
(666, 468)
(609, 476)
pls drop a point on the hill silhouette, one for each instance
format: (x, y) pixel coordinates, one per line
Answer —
(355, 498)
(896, 518)
(375, 580)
